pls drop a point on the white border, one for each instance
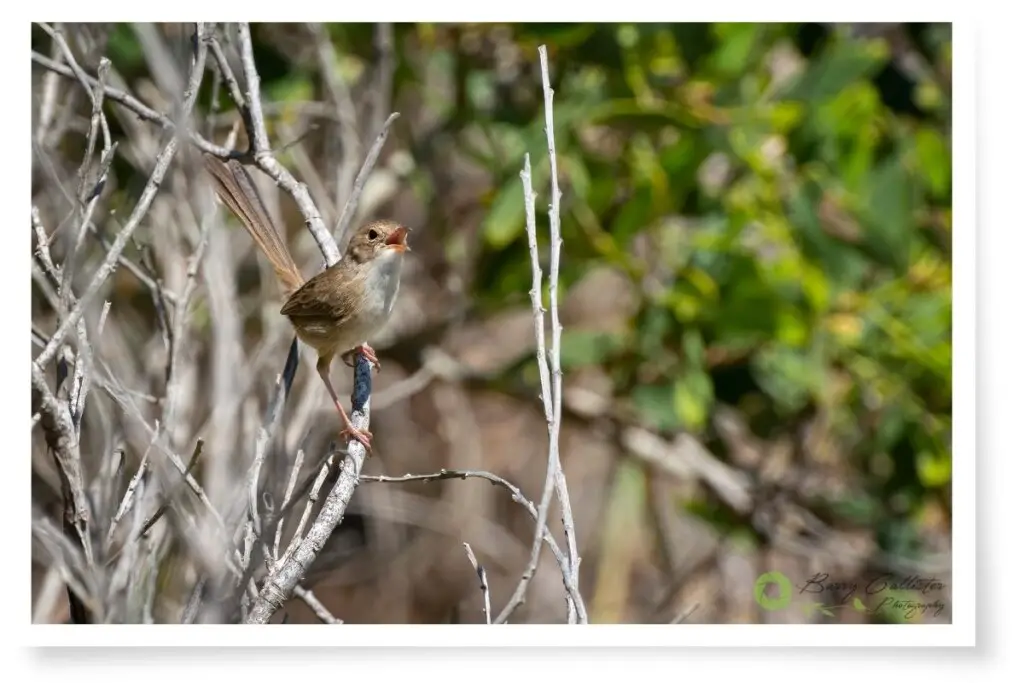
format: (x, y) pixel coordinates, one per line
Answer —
(473, 635)
(961, 632)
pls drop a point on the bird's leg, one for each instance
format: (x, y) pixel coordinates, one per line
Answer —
(363, 436)
(368, 353)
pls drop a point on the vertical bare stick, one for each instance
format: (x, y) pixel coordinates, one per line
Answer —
(481, 575)
(550, 377)
(555, 420)
(519, 596)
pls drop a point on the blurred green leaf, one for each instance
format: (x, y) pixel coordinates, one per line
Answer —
(844, 263)
(736, 47)
(856, 509)
(693, 348)
(928, 96)
(506, 219)
(124, 49)
(841, 64)
(655, 406)
(650, 114)
(579, 174)
(934, 161)
(789, 375)
(634, 214)
(934, 469)
(560, 36)
(692, 397)
(588, 347)
(785, 116)
(748, 308)
(295, 89)
(887, 215)
(890, 429)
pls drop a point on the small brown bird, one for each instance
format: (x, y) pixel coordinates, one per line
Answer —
(335, 311)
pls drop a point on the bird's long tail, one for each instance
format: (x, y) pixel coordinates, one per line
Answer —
(237, 191)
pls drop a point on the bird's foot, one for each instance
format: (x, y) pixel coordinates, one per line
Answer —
(363, 436)
(366, 351)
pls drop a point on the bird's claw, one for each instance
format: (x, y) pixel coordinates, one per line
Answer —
(363, 436)
(366, 352)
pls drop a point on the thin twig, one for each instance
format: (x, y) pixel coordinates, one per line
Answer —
(481, 575)
(136, 270)
(58, 38)
(322, 613)
(102, 322)
(160, 511)
(311, 498)
(86, 200)
(519, 595)
(517, 497)
(550, 377)
(341, 229)
(306, 168)
(296, 466)
(84, 360)
(555, 421)
(66, 555)
(43, 246)
(684, 613)
(59, 300)
(229, 79)
(136, 106)
(195, 599)
(129, 494)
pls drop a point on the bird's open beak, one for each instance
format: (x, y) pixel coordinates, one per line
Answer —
(396, 240)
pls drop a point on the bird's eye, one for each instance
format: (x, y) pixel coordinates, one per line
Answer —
(372, 234)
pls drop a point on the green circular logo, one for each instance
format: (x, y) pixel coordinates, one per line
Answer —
(784, 590)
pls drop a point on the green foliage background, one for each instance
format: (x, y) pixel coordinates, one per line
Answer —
(812, 277)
